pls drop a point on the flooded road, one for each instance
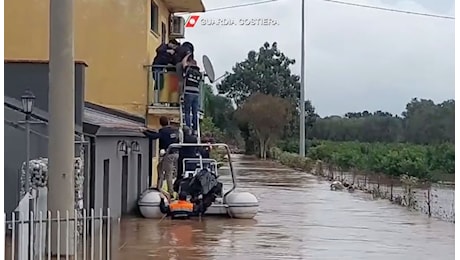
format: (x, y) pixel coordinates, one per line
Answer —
(299, 218)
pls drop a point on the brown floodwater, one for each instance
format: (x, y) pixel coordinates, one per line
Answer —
(299, 218)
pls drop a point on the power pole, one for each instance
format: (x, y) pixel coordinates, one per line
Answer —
(302, 86)
(61, 151)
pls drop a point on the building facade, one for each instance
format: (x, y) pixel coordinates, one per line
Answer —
(117, 39)
(116, 152)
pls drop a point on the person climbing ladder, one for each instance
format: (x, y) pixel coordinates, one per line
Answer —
(191, 91)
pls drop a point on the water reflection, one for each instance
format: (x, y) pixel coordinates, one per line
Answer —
(189, 239)
(300, 218)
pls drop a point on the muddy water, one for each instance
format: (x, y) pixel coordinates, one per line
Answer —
(300, 218)
(439, 200)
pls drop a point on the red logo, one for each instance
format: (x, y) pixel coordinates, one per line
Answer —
(192, 21)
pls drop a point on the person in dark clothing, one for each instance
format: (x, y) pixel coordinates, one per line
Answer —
(167, 134)
(191, 91)
(165, 56)
(180, 209)
(166, 53)
(168, 163)
(185, 152)
(205, 152)
(181, 52)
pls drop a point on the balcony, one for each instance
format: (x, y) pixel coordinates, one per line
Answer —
(164, 95)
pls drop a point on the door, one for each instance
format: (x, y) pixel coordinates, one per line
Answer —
(140, 187)
(106, 185)
(124, 184)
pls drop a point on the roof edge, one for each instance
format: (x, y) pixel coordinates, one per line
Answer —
(114, 112)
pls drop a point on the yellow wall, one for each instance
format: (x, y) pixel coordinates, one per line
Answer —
(111, 36)
(153, 39)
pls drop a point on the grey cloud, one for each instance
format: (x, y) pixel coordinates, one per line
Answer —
(356, 58)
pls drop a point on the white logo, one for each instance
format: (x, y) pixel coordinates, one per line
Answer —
(192, 21)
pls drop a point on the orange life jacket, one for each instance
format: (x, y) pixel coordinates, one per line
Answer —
(181, 208)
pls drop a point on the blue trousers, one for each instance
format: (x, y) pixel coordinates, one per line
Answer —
(191, 103)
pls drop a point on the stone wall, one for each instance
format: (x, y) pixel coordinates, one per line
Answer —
(38, 178)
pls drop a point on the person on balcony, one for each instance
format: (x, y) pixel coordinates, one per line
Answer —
(183, 50)
(191, 91)
(165, 56)
(166, 53)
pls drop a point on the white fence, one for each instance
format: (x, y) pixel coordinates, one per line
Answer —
(46, 236)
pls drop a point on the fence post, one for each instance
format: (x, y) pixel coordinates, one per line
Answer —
(34, 235)
(428, 201)
(23, 227)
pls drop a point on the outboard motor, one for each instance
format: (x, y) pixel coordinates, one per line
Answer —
(203, 188)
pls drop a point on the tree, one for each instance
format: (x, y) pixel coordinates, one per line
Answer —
(290, 140)
(423, 122)
(219, 109)
(426, 122)
(267, 71)
(266, 115)
(208, 128)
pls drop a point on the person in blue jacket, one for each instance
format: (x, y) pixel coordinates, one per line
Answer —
(165, 56)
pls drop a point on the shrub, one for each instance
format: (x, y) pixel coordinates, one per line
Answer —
(422, 162)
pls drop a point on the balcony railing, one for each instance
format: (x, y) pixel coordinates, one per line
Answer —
(163, 87)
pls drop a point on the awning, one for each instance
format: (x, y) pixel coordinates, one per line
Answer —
(185, 6)
(112, 125)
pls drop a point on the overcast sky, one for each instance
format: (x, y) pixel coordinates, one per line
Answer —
(356, 59)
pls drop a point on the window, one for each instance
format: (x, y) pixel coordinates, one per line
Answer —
(154, 17)
(163, 32)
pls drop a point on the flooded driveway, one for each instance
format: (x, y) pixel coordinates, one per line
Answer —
(299, 218)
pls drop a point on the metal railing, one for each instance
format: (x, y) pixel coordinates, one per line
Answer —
(44, 236)
(165, 90)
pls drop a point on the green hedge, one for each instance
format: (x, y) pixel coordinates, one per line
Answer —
(291, 159)
(423, 162)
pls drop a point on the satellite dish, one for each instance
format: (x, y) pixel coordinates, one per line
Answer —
(208, 69)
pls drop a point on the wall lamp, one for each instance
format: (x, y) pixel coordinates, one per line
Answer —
(135, 147)
(124, 147)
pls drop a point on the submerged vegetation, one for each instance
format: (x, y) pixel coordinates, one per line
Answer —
(383, 177)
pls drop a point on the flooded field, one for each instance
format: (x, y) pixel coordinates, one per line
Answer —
(299, 218)
(435, 199)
